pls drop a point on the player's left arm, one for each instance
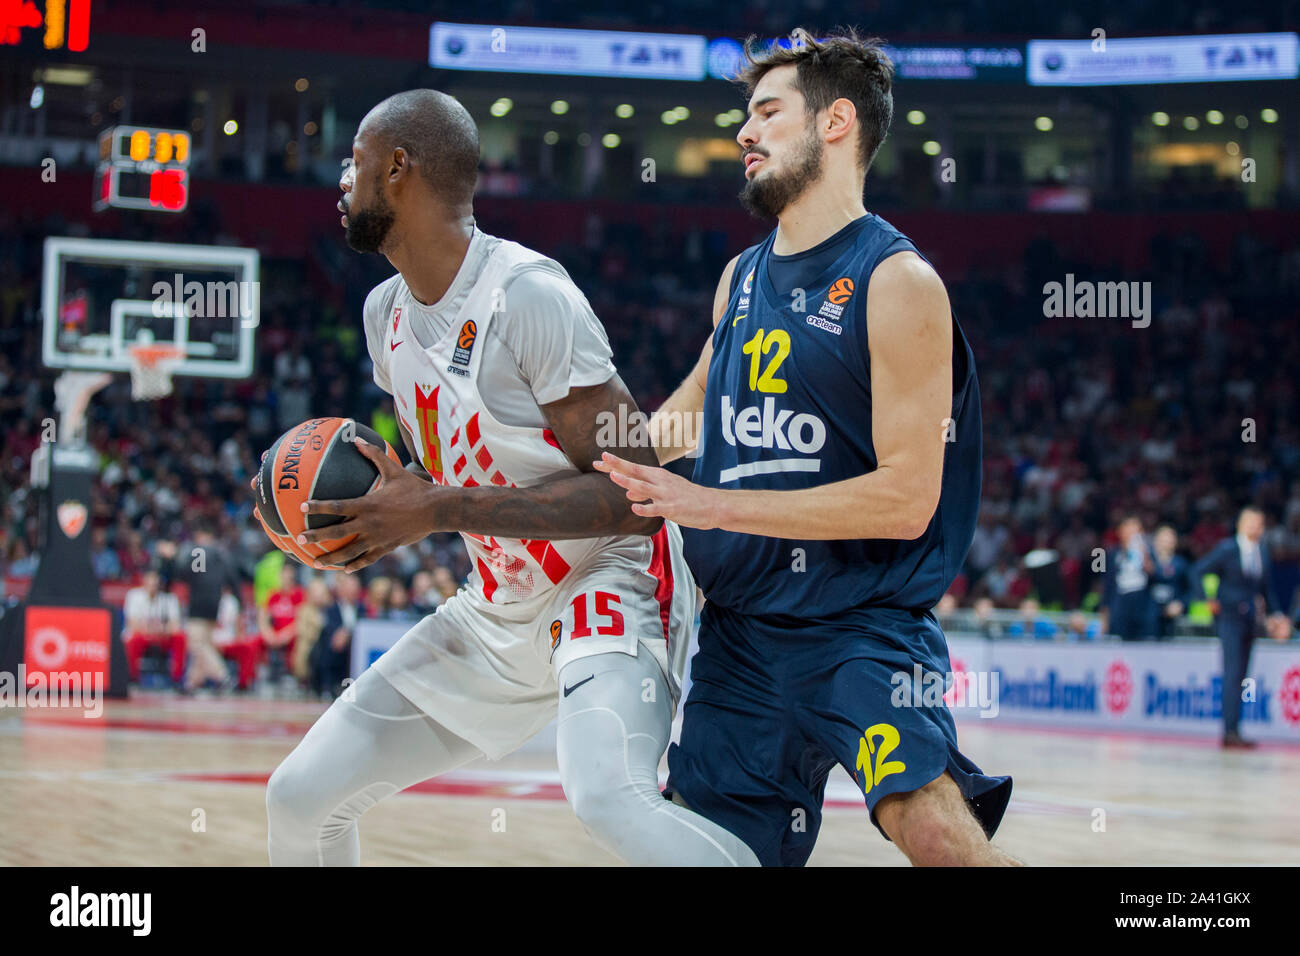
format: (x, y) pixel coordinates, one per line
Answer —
(404, 508)
(909, 327)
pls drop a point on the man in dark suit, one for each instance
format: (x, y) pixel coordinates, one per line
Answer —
(331, 657)
(1170, 581)
(1130, 614)
(1245, 574)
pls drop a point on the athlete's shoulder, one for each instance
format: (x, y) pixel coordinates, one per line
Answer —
(515, 260)
(380, 299)
(743, 266)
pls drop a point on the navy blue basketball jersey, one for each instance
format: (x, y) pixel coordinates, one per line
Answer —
(788, 406)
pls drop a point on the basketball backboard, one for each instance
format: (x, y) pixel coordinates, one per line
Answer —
(100, 297)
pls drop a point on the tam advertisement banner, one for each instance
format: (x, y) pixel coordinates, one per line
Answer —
(1194, 59)
(506, 49)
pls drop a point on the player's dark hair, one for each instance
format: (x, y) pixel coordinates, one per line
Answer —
(440, 136)
(843, 64)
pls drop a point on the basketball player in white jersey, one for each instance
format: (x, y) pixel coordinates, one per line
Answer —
(500, 374)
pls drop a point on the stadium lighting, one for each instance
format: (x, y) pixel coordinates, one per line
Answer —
(1241, 122)
(551, 137)
(737, 116)
(503, 106)
(668, 117)
(681, 112)
(1191, 123)
(560, 107)
(38, 97)
(624, 111)
(915, 117)
(1232, 148)
(301, 85)
(931, 147)
(1160, 118)
(1214, 117)
(1043, 124)
(723, 120)
(584, 139)
(610, 140)
(1268, 115)
(230, 128)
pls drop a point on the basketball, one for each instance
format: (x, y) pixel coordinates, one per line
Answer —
(314, 460)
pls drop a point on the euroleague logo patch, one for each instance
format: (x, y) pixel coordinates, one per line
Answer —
(465, 342)
(831, 313)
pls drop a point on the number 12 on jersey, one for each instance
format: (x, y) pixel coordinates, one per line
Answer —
(759, 346)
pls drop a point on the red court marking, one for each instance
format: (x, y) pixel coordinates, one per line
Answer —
(286, 729)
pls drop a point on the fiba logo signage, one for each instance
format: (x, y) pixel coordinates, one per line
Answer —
(1118, 687)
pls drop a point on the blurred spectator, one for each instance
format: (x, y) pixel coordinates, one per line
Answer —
(399, 604)
(1171, 581)
(377, 592)
(310, 622)
(278, 622)
(332, 659)
(1129, 609)
(153, 619)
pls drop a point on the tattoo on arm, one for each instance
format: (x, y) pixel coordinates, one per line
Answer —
(587, 505)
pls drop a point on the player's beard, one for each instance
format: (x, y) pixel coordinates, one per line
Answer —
(767, 196)
(368, 228)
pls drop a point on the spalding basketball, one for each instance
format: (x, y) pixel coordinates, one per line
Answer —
(313, 461)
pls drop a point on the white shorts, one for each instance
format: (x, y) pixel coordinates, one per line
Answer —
(488, 672)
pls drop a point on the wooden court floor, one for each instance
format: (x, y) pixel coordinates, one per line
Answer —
(164, 781)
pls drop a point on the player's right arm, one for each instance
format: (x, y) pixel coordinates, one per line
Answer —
(668, 426)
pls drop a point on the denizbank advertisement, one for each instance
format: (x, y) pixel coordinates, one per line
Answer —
(1174, 687)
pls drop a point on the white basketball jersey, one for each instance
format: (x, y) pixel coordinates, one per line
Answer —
(437, 399)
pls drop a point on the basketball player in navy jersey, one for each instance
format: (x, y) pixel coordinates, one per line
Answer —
(834, 495)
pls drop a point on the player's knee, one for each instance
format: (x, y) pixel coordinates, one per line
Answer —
(605, 792)
(288, 794)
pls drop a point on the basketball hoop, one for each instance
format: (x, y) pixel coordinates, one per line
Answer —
(151, 370)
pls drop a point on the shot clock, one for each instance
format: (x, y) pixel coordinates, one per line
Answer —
(143, 168)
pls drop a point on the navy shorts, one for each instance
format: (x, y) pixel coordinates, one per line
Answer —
(776, 703)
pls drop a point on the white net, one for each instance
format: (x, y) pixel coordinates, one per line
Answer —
(151, 370)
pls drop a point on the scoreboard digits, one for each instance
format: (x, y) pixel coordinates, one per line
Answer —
(143, 168)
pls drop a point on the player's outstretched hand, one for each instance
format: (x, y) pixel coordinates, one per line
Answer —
(392, 515)
(658, 493)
